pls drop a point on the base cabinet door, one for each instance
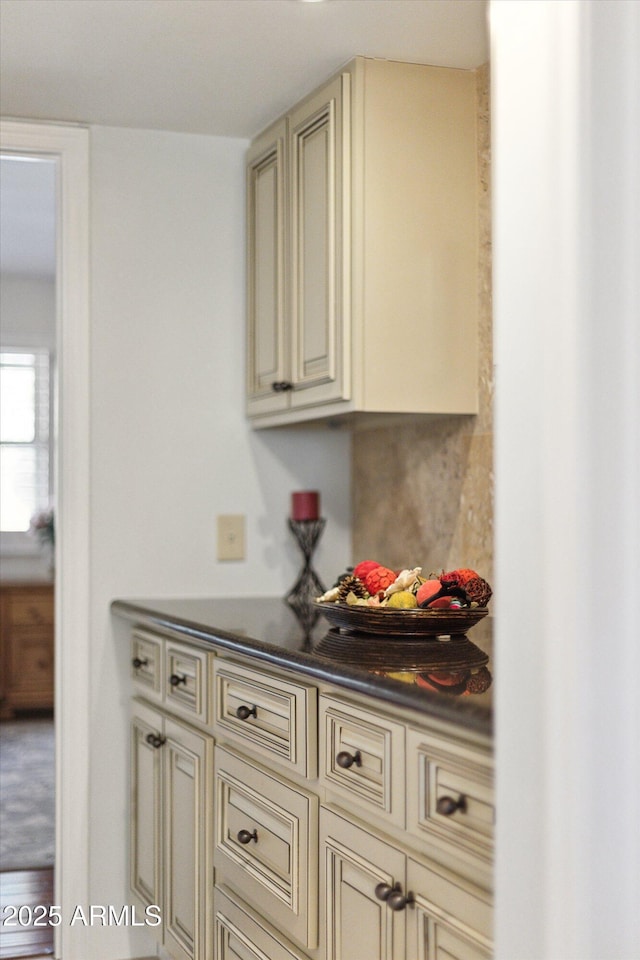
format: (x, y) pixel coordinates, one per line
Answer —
(187, 767)
(356, 869)
(381, 904)
(171, 864)
(448, 918)
(146, 809)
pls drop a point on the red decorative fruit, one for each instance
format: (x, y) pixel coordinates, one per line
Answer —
(427, 591)
(440, 603)
(379, 579)
(364, 567)
(457, 578)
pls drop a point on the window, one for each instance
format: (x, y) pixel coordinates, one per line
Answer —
(24, 439)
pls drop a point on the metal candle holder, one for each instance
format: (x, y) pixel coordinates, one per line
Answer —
(308, 586)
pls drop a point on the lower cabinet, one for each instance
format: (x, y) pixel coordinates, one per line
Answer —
(26, 647)
(381, 904)
(171, 847)
(322, 825)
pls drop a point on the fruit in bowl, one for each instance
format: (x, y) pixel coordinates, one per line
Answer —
(371, 584)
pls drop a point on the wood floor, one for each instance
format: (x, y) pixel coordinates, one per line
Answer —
(25, 888)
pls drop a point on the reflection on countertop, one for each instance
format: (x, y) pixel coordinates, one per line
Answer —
(447, 677)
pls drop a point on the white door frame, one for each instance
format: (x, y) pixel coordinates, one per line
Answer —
(69, 147)
(566, 241)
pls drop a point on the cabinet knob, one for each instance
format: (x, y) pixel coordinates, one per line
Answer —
(397, 900)
(137, 662)
(243, 712)
(346, 760)
(383, 890)
(175, 679)
(447, 806)
(244, 836)
(281, 386)
(154, 740)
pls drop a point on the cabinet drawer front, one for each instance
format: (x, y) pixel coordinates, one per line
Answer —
(31, 609)
(146, 661)
(240, 936)
(451, 794)
(450, 918)
(363, 758)
(275, 867)
(272, 716)
(185, 683)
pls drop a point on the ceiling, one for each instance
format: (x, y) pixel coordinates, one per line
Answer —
(216, 67)
(224, 67)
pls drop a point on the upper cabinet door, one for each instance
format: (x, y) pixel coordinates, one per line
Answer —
(363, 249)
(267, 347)
(319, 222)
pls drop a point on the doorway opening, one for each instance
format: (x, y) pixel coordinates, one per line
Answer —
(28, 265)
(67, 149)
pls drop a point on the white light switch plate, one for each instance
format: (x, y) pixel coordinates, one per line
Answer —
(231, 536)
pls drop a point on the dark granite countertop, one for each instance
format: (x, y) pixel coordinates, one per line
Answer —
(447, 679)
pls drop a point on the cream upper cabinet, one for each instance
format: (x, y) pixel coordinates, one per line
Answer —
(267, 335)
(362, 248)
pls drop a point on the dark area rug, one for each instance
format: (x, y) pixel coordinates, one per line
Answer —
(27, 777)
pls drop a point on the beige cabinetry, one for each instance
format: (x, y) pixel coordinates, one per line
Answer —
(409, 867)
(26, 647)
(277, 816)
(401, 907)
(362, 248)
(171, 793)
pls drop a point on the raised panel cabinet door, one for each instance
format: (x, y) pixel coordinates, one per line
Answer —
(320, 244)
(448, 919)
(356, 870)
(267, 348)
(146, 805)
(188, 759)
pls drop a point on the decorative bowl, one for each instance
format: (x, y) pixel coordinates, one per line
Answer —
(416, 623)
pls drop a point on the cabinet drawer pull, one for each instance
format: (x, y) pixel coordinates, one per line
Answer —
(243, 712)
(447, 806)
(398, 901)
(245, 837)
(137, 662)
(281, 386)
(154, 740)
(346, 760)
(175, 679)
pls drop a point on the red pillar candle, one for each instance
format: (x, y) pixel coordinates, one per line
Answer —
(305, 505)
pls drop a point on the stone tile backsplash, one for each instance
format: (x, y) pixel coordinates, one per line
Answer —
(423, 490)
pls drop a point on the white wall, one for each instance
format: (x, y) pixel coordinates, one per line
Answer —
(170, 447)
(566, 121)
